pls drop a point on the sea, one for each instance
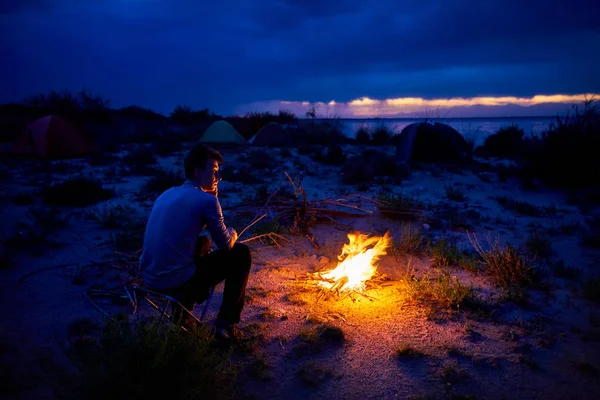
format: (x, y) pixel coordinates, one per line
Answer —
(476, 129)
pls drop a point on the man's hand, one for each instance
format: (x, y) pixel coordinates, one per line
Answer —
(234, 235)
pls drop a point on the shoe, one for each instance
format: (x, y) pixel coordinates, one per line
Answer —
(228, 333)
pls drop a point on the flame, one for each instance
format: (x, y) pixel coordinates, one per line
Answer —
(357, 262)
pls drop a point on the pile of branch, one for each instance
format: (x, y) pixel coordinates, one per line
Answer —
(376, 282)
(293, 209)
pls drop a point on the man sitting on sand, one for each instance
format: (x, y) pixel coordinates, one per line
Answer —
(176, 259)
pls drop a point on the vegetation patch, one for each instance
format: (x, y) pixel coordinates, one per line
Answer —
(140, 359)
(79, 191)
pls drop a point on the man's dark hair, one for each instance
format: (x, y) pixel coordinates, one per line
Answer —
(197, 157)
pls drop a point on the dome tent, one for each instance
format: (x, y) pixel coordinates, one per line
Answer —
(431, 142)
(222, 132)
(53, 137)
(272, 134)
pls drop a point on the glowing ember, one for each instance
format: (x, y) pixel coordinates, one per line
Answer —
(357, 262)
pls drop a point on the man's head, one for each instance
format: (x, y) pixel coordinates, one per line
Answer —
(201, 166)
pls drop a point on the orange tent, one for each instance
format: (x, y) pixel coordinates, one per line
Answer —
(52, 137)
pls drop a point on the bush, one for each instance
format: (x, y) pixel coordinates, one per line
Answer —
(370, 165)
(141, 156)
(77, 191)
(362, 136)
(325, 133)
(566, 155)
(163, 180)
(399, 206)
(381, 135)
(507, 268)
(508, 142)
(334, 155)
(143, 359)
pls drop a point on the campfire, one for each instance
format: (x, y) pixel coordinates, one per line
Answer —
(357, 263)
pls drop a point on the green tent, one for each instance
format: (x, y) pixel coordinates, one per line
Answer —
(222, 132)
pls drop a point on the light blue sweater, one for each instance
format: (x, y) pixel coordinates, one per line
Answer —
(178, 216)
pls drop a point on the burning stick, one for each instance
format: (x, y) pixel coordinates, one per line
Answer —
(357, 263)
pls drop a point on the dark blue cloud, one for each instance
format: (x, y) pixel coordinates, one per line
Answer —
(158, 53)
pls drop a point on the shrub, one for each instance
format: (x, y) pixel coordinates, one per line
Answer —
(326, 133)
(506, 267)
(506, 143)
(139, 159)
(538, 245)
(143, 359)
(334, 155)
(163, 180)
(362, 136)
(455, 193)
(242, 174)
(520, 207)
(130, 236)
(77, 191)
(370, 165)
(411, 240)
(442, 291)
(167, 144)
(447, 254)
(566, 155)
(381, 135)
(111, 216)
(399, 206)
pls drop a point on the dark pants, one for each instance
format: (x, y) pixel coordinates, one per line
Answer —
(231, 266)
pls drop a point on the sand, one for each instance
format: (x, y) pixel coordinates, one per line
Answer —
(546, 349)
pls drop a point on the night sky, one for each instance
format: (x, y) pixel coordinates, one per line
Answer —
(358, 58)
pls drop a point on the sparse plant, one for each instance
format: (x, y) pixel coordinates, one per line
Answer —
(411, 240)
(455, 193)
(313, 374)
(162, 180)
(258, 368)
(566, 228)
(140, 160)
(447, 254)
(573, 137)
(362, 135)
(111, 216)
(518, 206)
(538, 245)
(562, 270)
(23, 199)
(372, 165)
(77, 191)
(141, 359)
(49, 218)
(381, 135)
(130, 236)
(408, 351)
(399, 206)
(591, 289)
(506, 267)
(315, 339)
(592, 237)
(240, 174)
(259, 160)
(440, 291)
(507, 142)
(453, 373)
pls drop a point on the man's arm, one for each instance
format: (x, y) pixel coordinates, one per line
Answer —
(215, 223)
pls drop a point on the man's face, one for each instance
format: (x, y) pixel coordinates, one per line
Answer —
(208, 177)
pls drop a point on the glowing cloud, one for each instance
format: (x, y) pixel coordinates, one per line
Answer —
(366, 107)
